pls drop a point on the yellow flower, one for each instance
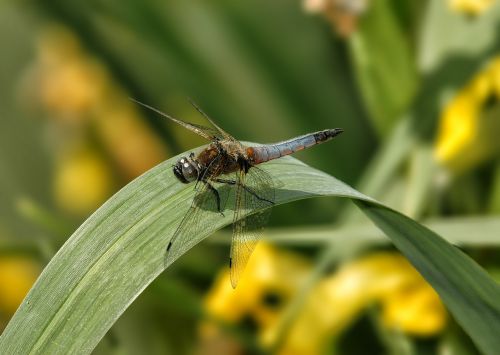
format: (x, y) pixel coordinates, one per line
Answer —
(470, 7)
(83, 181)
(269, 279)
(126, 136)
(467, 135)
(17, 275)
(495, 76)
(407, 302)
(70, 83)
(270, 274)
(415, 309)
(75, 87)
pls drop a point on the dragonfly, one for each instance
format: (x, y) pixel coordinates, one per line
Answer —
(226, 166)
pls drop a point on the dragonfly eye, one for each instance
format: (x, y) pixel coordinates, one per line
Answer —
(185, 170)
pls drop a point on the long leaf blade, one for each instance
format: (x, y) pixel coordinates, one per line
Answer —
(466, 289)
(120, 250)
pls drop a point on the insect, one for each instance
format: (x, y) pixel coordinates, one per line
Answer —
(226, 167)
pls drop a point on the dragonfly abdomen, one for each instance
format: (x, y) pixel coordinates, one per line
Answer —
(264, 153)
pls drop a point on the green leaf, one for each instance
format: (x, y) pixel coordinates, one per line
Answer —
(466, 289)
(447, 36)
(120, 250)
(385, 69)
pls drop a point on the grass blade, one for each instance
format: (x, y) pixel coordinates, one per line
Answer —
(120, 250)
(467, 290)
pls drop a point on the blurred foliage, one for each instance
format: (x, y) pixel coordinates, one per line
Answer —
(415, 84)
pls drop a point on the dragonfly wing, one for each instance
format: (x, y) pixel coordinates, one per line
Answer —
(208, 203)
(222, 133)
(205, 132)
(255, 195)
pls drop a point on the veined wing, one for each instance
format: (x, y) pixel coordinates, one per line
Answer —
(206, 132)
(255, 194)
(197, 220)
(223, 133)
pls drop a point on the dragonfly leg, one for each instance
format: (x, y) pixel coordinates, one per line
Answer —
(217, 197)
(250, 191)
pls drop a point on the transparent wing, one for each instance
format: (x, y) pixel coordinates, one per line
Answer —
(222, 133)
(204, 208)
(206, 132)
(255, 194)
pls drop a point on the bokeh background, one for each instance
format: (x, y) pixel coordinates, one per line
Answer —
(415, 84)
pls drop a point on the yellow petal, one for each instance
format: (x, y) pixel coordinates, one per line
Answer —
(471, 7)
(269, 274)
(83, 181)
(415, 311)
(127, 137)
(17, 275)
(467, 131)
(409, 303)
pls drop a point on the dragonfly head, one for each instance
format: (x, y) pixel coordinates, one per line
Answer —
(186, 170)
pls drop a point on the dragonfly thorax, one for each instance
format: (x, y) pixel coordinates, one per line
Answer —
(186, 170)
